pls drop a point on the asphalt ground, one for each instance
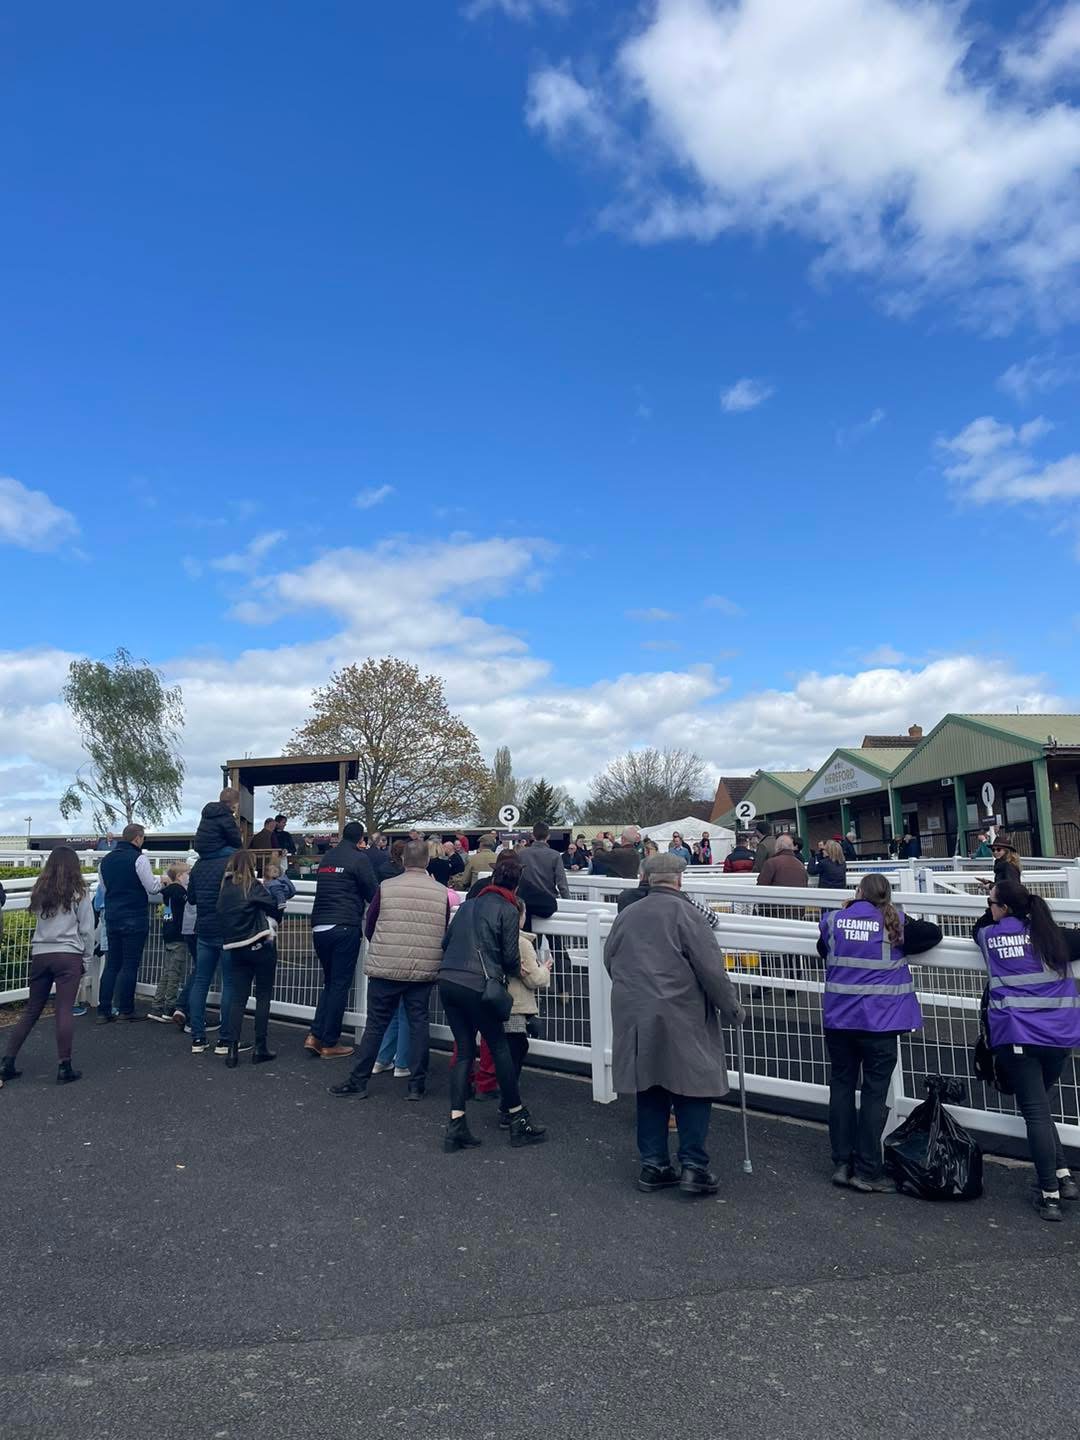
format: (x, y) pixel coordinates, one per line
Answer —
(193, 1251)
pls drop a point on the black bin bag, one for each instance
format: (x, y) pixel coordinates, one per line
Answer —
(931, 1153)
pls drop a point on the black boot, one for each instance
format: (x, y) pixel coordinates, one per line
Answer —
(232, 1059)
(505, 1117)
(7, 1069)
(260, 1055)
(523, 1131)
(65, 1074)
(458, 1136)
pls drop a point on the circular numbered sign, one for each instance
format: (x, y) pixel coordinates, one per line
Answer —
(509, 816)
(745, 811)
(988, 795)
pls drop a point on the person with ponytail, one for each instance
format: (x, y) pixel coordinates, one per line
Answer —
(246, 911)
(1033, 1017)
(869, 1001)
(63, 944)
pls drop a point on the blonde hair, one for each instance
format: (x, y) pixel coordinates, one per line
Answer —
(877, 891)
(1010, 857)
(833, 851)
(176, 869)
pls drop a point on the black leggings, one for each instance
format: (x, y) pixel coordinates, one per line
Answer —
(252, 963)
(66, 970)
(518, 1043)
(466, 1013)
(1034, 1075)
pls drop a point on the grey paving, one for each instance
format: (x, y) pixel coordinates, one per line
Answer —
(192, 1251)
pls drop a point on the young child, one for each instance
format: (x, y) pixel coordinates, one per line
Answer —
(535, 975)
(218, 833)
(279, 885)
(175, 965)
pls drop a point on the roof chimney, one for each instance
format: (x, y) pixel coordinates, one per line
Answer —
(915, 731)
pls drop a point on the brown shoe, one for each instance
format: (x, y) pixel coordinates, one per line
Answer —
(312, 1045)
(335, 1052)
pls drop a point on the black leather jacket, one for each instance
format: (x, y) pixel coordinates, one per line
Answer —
(488, 925)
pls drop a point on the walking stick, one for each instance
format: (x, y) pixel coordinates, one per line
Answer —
(747, 1164)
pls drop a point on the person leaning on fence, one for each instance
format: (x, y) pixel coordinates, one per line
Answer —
(869, 1002)
(668, 982)
(481, 952)
(829, 865)
(130, 884)
(344, 885)
(1033, 1018)
(405, 925)
(174, 967)
(62, 946)
(246, 912)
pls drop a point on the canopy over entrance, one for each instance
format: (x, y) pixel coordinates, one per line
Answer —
(249, 775)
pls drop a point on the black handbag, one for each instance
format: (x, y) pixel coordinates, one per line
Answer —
(984, 1062)
(495, 992)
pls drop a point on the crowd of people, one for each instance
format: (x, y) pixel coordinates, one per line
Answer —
(436, 913)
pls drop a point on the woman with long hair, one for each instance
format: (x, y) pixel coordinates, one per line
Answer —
(481, 947)
(829, 865)
(1033, 1016)
(869, 1001)
(62, 945)
(246, 911)
(1006, 860)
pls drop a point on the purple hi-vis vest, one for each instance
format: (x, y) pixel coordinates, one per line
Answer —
(868, 985)
(1030, 1002)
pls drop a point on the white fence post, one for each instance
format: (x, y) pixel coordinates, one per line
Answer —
(1072, 881)
(599, 1012)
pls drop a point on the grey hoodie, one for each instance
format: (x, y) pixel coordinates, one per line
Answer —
(70, 931)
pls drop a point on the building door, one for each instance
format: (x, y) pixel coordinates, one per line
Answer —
(950, 824)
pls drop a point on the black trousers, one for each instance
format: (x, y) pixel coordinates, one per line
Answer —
(253, 964)
(856, 1134)
(466, 1013)
(1034, 1075)
(382, 1002)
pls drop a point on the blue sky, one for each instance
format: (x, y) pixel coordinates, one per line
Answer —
(493, 335)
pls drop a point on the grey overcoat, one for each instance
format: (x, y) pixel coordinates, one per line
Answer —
(667, 983)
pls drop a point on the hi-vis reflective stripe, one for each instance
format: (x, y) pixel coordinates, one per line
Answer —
(845, 962)
(1034, 1002)
(1033, 977)
(833, 987)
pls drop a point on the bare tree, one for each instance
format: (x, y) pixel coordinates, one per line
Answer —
(417, 761)
(645, 787)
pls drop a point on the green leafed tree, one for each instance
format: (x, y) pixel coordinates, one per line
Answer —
(542, 802)
(501, 789)
(130, 726)
(417, 761)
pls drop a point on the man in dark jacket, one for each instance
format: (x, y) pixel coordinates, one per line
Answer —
(668, 981)
(218, 833)
(280, 838)
(766, 844)
(739, 859)
(378, 852)
(129, 884)
(784, 867)
(543, 876)
(624, 859)
(204, 885)
(344, 885)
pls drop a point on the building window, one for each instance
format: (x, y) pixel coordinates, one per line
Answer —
(1017, 811)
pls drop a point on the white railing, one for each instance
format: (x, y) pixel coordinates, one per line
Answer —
(769, 941)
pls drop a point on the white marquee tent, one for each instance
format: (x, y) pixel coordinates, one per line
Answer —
(690, 829)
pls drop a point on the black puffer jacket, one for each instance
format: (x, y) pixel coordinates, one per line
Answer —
(488, 925)
(217, 828)
(832, 874)
(204, 884)
(344, 884)
(244, 918)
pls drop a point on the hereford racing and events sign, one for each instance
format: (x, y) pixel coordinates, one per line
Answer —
(841, 777)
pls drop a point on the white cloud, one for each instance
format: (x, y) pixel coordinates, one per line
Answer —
(745, 394)
(561, 108)
(852, 434)
(29, 519)
(375, 496)
(723, 604)
(990, 461)
(884, 655)
(1038, 374)
(651, 615)
(1052, 52)
(247, 561)
(861, 126)
(516, 9)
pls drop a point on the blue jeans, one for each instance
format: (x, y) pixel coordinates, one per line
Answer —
(208, 957)
(692, 1115)
(395, 1046)
(121, 971)
(338, 950)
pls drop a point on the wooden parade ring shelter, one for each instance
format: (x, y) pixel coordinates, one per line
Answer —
(249, 775)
